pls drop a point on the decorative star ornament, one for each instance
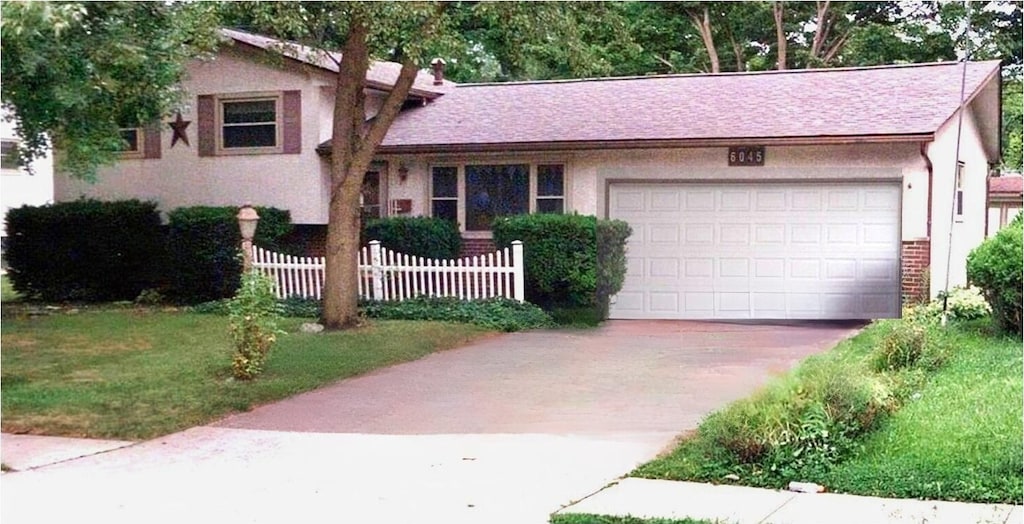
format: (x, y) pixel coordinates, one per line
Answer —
(179, 126)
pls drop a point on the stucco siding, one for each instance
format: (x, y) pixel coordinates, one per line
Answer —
(19, 188)
(969, 230)
(297, 182)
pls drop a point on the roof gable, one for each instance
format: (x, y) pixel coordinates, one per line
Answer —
(893, 101)
(381, 75)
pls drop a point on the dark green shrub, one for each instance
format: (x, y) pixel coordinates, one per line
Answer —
(204, 249)
(495, 313)
(996, 266)
(565, 268)
(85, 250)
(611, 260)
(418, 236)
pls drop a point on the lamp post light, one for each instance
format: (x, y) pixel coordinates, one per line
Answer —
(247, 220)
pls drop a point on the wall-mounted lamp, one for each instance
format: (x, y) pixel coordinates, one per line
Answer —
(403, 173)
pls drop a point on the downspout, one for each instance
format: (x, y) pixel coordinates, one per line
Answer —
(931, 176)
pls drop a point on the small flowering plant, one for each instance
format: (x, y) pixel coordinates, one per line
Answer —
(253, 315)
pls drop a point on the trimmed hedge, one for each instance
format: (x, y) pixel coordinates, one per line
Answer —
(418, 236)
(203, 246)
(85, 250)
(571, 261)
(996, 266)
(502, 314)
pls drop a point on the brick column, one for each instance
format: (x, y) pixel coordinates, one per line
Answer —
(472, 247)
(916, 258)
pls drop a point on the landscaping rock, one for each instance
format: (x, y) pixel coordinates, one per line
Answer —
(311, 327)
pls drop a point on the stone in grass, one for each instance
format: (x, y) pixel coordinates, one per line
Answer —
(311, 327)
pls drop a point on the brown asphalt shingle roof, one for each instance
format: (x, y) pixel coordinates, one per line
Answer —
(382, 75)
(894, 100)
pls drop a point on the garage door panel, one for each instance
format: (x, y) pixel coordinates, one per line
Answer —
(783, 250)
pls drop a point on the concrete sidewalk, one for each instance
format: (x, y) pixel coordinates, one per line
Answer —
(742, 505)
(22, 452)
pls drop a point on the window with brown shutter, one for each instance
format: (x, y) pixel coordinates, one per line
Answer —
(151, 142)
(250, 123)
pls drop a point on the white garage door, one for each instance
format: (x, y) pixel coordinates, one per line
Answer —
(759, 251)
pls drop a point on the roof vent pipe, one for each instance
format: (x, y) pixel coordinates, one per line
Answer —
(437, 65)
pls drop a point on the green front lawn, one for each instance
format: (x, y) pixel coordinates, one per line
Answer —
(140, 373)
(955, 432)
(960, 440)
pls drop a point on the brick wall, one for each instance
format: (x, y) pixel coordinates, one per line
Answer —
(472, 247)
(916, 258)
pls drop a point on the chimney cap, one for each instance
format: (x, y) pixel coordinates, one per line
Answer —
(437, 65)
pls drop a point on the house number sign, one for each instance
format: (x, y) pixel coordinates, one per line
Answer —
(746, 156)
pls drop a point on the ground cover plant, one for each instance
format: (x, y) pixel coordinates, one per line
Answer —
(500, 314)
(135, 373)
(906, 408)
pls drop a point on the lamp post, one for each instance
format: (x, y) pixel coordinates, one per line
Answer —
(247, 220)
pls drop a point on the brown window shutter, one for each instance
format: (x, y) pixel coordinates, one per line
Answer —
(206, 108)
(292, 122)
(151, 143)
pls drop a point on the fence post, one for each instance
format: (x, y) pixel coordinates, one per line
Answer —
(376, 269)
(519, 292)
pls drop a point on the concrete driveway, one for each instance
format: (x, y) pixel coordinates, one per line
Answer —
(508, 429)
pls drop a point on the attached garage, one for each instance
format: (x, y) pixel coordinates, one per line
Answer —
(778, 250)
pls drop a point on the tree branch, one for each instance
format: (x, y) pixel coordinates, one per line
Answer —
(379, 125)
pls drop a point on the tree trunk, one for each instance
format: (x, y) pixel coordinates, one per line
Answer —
(353, 144)
(821, 33)
(703, 25)
(780, 34)
(341, 264)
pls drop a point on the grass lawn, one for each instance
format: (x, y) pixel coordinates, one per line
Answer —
(961, 440)
(581, 518)
(957, 437)
(140, 373)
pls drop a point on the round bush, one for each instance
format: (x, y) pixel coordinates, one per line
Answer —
(996, 266)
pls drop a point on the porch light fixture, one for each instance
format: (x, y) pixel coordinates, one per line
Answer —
(247, 220)
(403, 173)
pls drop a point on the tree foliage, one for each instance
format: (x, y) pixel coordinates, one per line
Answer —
(76, 72)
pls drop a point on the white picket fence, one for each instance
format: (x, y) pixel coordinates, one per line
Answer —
(389, 275)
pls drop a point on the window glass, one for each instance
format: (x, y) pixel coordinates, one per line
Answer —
(445, 182)
(445, 193)
(249, 123)
(550, 180)
(960, 189)
(369, 197)
(8, 158)
(446, 209)
(130, 137)
(550, 189)
(494, 191)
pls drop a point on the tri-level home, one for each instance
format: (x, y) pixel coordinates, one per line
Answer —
(786, 194)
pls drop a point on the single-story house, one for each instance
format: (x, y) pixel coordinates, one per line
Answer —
(1005, 200)
(785, 194)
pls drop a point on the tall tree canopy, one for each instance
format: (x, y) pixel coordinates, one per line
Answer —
(76, 72)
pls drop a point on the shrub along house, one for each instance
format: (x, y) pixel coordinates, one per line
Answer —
(793, 194)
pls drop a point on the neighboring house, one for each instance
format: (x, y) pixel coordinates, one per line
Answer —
(792, 194)
(17, 186)
(1005, 200)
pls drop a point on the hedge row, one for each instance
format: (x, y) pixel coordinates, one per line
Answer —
(94, 251)
(997, 266)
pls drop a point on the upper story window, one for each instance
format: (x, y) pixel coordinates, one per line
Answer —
(475, 194)
(250, 123)
(960, 190)
(9, 155)
(132, 142)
